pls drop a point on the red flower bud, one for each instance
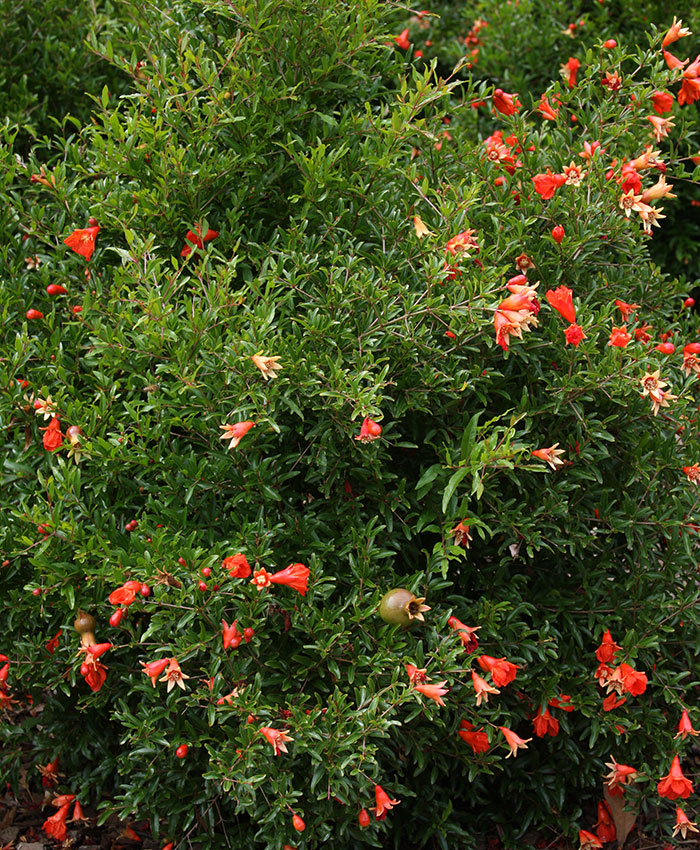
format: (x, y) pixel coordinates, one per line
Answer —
(558, 233)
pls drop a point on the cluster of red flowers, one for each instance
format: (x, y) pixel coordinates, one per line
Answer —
(617, 681)
(517, 312)
(561, 300)
(458, 245)
(55, 826)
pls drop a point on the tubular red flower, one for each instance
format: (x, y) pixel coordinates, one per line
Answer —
(561, 300)
(515, 742)
(502, 672)
(477, 739)
(277, 738)
(547, 184)
(675, 784)
(295, 576)
(435, 692)
(55, 826)
(685, 727)
(231, 635)
(607, 649)
(574, 334)
(545, 724)
(507, 104)
(53, 438)
(384, 802)
(369, 431)
(153, 669)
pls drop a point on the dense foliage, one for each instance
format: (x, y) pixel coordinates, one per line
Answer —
(255, 304)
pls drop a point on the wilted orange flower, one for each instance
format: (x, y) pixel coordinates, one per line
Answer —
(660, 125)
(277, 738)
(482, 688)
(461, 534)
(416, 674)
(619, 776)
(236, 432)
(174, 675)
(267, 365)
(83, 241)
(550, 456)
(683, 824)
(421, 229)
(653, 387)
(693, 473)
(515, 742)
(435, 692)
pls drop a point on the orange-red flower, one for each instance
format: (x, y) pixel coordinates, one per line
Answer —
(466, 633)
(416, 674)
(236, 432)
(607, 649)
(561, 300)
(588, 841)
(652, 386)
(662, 102)
(237, 565)
(506, 103)
(477, 739)
(261, 579)
(683, 824)
(83, 241)
(125, 594)
(435, 692)
(675, 784)
(515, 742)
(295, 576)
(574, 334)
(384, 802)
(369, 431)
(675, 32)
(625, 309)
(53, 438)
(277, 738)
(685, 727)
(545, 724)
(550, 455)
(197, 240)
(461, 534)
(153, 669)
(569, 71)
(547, 184)
(482, 688)
(174, 675)
(502, 672)
(55, 826)
(402, 40)
(232, 637)
(619, 338)
(619, 776)
(546, 110)
(634, 681)
(269, 367)
(689, 91)
(605, 825)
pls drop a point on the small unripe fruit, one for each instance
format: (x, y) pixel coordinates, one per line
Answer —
(34, 314)
(298, 823)
(56, 289)
(363, 818)
(145, 590)
(610, 43)
(248, 634)
(688, 303)
(36, 592)
(182, 562)
(206, 571)
(116, 617)
(84, 623)
(401, 608)
(181, 751)
(202, 585)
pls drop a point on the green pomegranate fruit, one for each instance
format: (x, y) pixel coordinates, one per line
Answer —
(401, 608)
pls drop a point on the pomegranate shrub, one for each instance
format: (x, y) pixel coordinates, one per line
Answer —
(296, 322)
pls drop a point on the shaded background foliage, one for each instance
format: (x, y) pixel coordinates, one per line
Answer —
(298, 144)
